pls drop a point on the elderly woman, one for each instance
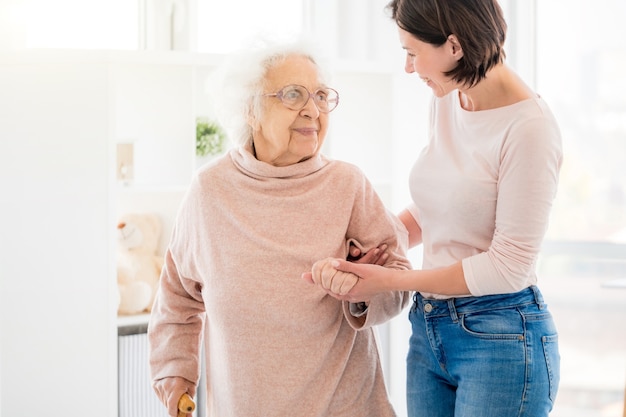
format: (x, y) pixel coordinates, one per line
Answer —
(250, 224)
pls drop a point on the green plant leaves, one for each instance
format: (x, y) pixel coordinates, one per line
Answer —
(210, 137)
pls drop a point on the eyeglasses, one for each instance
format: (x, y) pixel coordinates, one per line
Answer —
(295, 97)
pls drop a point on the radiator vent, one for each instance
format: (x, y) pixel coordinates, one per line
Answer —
(136, 398)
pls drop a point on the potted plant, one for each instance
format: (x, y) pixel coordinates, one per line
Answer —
(210, 138)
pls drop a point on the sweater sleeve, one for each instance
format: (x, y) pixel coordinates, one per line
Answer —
(527, 185)
(176, 326)
(370, 226)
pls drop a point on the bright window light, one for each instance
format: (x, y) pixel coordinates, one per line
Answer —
(227, 26)
(81, 24)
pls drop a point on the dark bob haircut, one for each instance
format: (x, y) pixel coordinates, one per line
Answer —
(479, 26)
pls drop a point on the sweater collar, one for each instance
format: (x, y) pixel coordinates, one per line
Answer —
(247, 163)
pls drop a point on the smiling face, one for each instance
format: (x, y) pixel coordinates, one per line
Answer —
(431, 62)
(282, 136)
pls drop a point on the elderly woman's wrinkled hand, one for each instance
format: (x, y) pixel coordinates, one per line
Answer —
(169, 390)
(334, 282)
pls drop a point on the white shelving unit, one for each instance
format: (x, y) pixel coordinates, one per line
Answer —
(63, 112)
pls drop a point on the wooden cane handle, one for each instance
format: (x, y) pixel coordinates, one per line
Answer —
(185, 405)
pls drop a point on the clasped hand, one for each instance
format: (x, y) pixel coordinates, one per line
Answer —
(338, 283)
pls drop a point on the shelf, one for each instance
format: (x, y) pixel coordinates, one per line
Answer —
(615, 283)
(133, 319)
(151, 188)
(132, 325)
(111, 56)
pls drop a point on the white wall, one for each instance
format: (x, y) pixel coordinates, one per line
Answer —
(58, 343)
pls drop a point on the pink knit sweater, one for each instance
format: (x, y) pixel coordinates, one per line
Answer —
(275, 345)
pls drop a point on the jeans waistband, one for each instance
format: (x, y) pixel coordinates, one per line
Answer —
(463, 305)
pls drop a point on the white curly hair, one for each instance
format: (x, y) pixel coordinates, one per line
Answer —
(236, 86)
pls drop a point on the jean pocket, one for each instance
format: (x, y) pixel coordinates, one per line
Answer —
(495, 324)
(553, 362)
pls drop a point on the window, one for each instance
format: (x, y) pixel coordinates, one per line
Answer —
(226, 26)
(77, 24)
(580, 67)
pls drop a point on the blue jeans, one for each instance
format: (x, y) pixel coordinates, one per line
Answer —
(490, 356)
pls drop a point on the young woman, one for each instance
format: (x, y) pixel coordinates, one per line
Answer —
(484, 343)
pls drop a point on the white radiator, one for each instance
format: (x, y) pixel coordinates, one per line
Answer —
(136, 398)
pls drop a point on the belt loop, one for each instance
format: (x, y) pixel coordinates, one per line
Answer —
(452, 309)
(415, 305)
(538, 296)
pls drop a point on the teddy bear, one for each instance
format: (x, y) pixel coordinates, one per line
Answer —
(138, 264)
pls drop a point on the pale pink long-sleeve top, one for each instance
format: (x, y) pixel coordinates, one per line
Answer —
(275, 345)
(483, 188)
